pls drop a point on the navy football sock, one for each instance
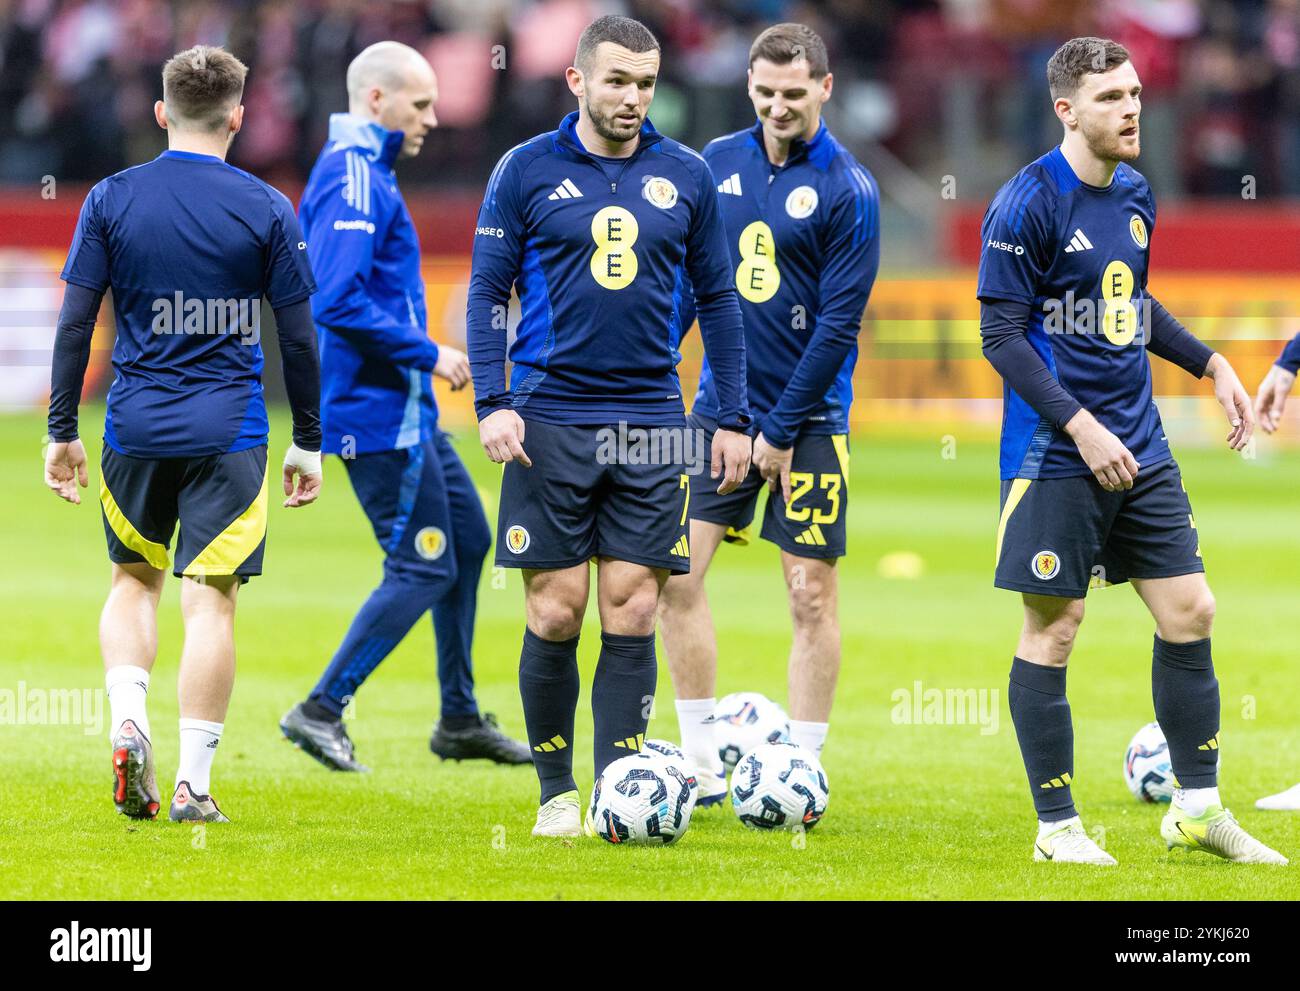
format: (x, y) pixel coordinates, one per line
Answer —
(1042, 718)
(548, 685)
(1186, 696)
(387, 616)
(314, 710)
(622, 694)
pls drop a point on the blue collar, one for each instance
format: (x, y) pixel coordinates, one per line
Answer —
(191, 156)
(568, 132)
(819, 150)
(1066, 181)
(379, 143)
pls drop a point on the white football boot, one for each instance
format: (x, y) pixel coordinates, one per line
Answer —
(1284, 801)
(561, 816)
(1069, 844)
(712, 785)
(1215, 831)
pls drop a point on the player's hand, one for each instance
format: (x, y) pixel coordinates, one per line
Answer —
(453, 366)
(731, 454)
(1110, 462)
(502, 436)
(773, 463)
(65, 469)
(302, 476)
(1271, 400)
(1234, 399)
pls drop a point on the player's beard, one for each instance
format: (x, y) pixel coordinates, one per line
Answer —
(1107, 144)
(609, 128)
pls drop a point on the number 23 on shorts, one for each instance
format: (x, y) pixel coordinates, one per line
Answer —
(801, 483)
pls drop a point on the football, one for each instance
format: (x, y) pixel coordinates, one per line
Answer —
(779, 786)
(745, 720)
(1146, 765)
(666, 748)
(643, 798)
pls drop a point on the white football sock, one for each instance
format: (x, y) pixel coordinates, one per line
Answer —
(1050, 827)
(699, 742)
(1194, 801)
(810, 736)
(199, 739)
(127, 686)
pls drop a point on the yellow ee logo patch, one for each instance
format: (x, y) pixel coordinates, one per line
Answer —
(757, 277)
(517, 539)
(1045, 565)
(1139, 231)
(431, 543)
(613, 263)
(1119, 321)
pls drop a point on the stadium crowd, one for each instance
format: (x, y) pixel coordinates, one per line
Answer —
(929, 79)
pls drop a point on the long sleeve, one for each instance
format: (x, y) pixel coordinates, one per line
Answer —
(301, 366)
(71, 354)
(708, 265)
(1169, 339)
(342, 255)
(1007, 348)
(1290, 357)
(494, 266)
(852, 254)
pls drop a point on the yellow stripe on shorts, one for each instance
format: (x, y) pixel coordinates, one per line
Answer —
(1018, 489)
(154, 553)
(841, 442)
(231, 548)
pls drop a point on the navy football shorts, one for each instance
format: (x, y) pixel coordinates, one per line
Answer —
(812, 525)
(582, 498)
(220, 500)
(1062, 536)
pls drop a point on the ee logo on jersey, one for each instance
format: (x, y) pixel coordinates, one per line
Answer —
(615, 230)
(757, 277)
(1120, 319)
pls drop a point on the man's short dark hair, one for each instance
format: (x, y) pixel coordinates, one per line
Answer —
(783, 44)
(1080, 57)
(201, 85)
(622, 31)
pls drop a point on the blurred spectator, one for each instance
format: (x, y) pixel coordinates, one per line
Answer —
(937, 82)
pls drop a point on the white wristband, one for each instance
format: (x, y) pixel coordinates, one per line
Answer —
(307, 462)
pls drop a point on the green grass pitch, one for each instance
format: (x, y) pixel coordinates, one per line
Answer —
(916, 811)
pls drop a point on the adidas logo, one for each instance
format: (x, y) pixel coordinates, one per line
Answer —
(550, 746)
(813, 536)
(565, 191)
(1079, 242)
(631, 742)
(731, 184)
(681, 548)
(1060, 782)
